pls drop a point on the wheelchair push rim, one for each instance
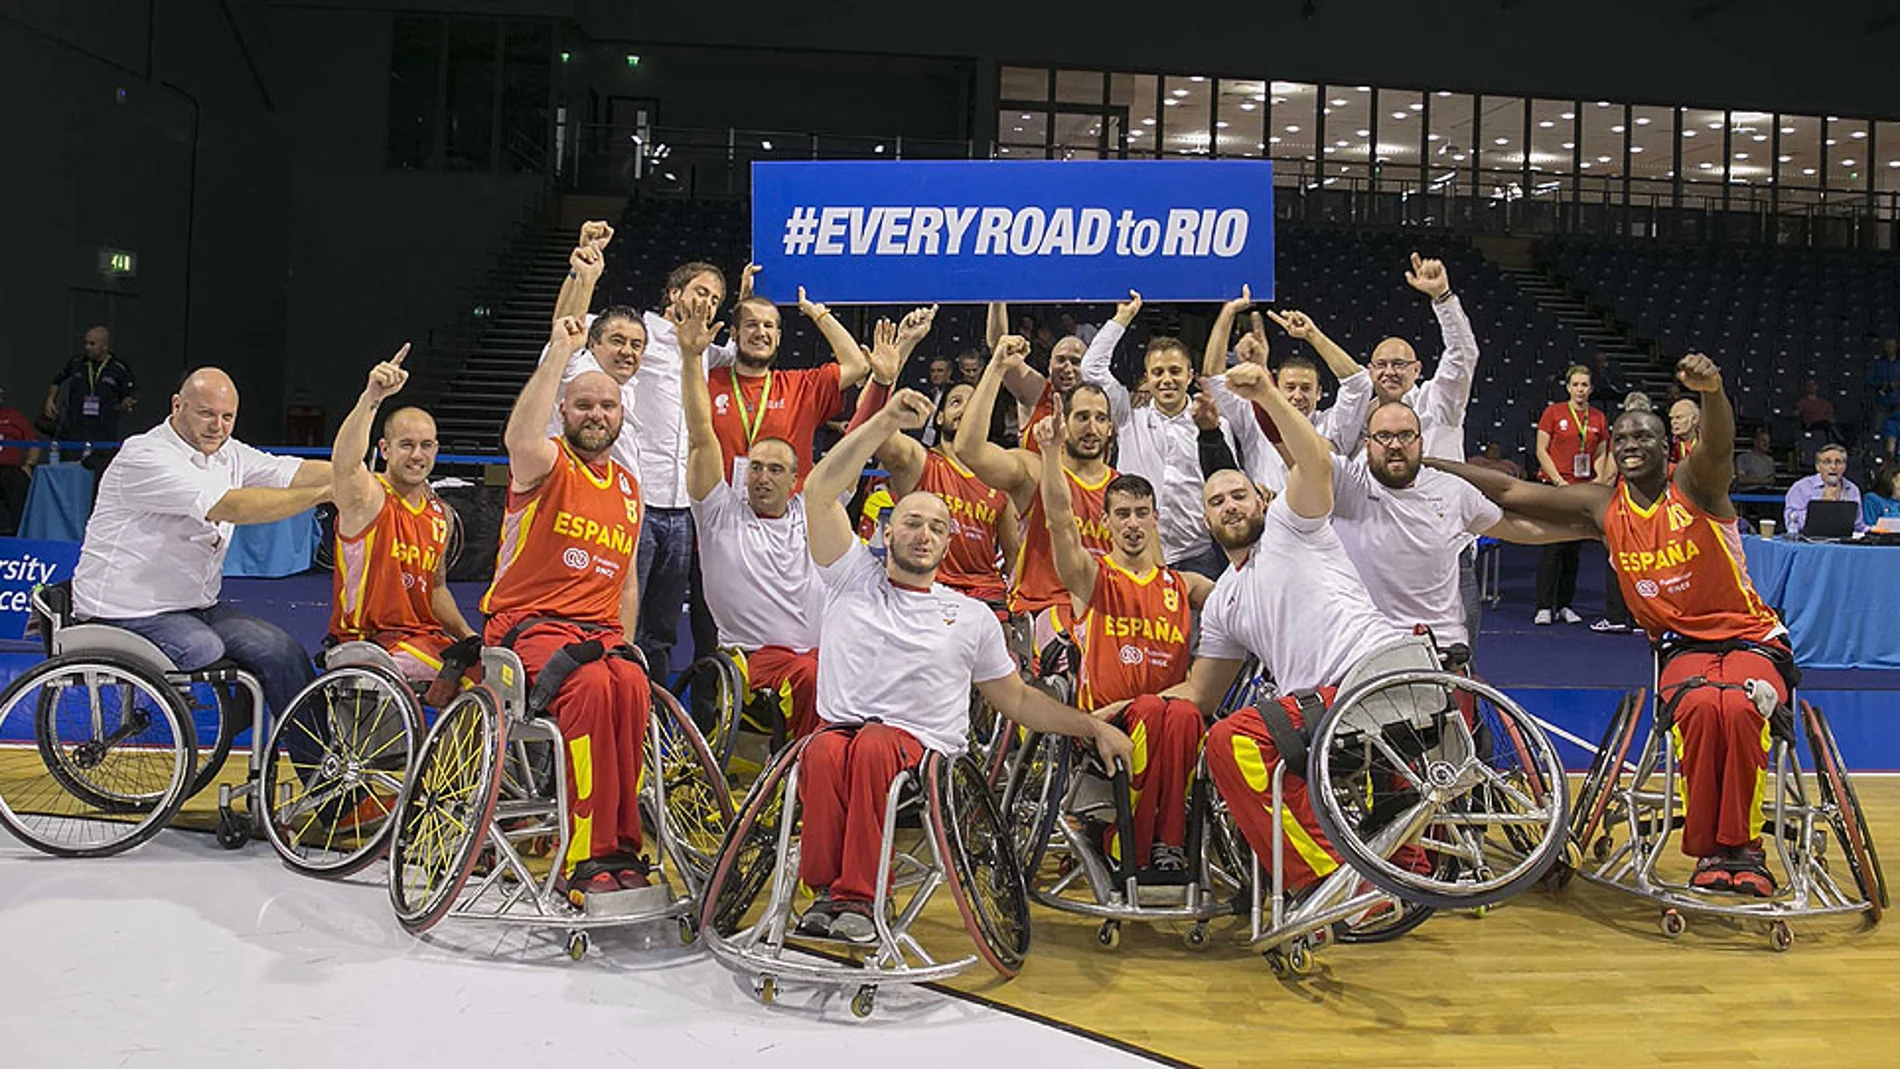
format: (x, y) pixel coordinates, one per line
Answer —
(985, 878)
(1437, 787)
(698, 805)
(101, 775)
(1846, 818)
(446, 809)
(332, 814)
(748, 856)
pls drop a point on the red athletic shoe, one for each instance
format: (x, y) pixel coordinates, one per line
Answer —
(1712, 874)
(1748, 872)
(589, 878)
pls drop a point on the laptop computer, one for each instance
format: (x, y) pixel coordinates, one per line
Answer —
(1830, 519)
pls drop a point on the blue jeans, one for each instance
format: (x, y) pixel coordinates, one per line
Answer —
(195, 638)
(666, 559)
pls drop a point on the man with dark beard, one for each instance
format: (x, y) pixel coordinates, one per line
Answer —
(1404, 526)
(897, 655)
(564, 599)
(752, 401)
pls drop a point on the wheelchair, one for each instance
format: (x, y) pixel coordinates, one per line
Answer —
(941, 827)
(484, 808)
(723, 703)
(100, 746)
(1630, 804)
(337, 761)
(1438, 792)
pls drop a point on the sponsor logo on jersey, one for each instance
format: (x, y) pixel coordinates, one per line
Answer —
(1132, 655)
(408, 580)
(1647, 588)
(576, 558)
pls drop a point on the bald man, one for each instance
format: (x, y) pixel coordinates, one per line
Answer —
(392, 534)
(1685, 427)
(153, 556)
(897, 655)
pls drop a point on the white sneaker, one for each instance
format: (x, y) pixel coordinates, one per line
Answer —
(1569, 615)
(1542, 619)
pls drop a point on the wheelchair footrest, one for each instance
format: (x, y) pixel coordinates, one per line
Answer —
(631, 902)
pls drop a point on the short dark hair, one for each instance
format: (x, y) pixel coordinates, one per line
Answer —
(1299, 360)
(1068, 398)
(1165, 344)
(755, 302)
(598, 328)
(1131, 484)
(690, 270)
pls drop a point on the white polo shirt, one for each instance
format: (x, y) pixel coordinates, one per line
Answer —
(1405, 543)
(1296, 604)
(148, 547)
(1339, 423)
(904, 656)
(760, 581)
(1163, 449)
(658, 425)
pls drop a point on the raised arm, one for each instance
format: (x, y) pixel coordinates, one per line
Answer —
(1706, 472)
(1309, 478)
(705, 460)
(531, 453)
(1003, 469)
(996, 324)
(900, 454)
(1214, 355)
(1580, 504)
(1075, 565)
(1098, 362)
(357, 493)
(1522, 530)
(1300, 325)
(832, 479)
(577, 289)
(852, 366)
(1449, 390)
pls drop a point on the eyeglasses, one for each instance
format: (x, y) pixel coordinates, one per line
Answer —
(1391, 365)
(1392, 438)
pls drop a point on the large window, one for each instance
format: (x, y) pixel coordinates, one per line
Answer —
(1449, 153)
(1240, 118)
(1401, 137)
(1705, 139)
(1847, 169)
(1347, 152)
(1605, 139)
(1885, 158)
(1134, 95)
(1293, 128)
(1187, 118)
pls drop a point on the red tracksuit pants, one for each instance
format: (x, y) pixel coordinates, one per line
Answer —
(1167, 737)
(1241, 758)
(794, 676)
(1722, 748)
(844, 778)
(602, 711)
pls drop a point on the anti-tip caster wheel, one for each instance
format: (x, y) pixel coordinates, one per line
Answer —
(1109, 935)
(1673, 923)
(1780, 936)
(1300, 960)
(689, 931)
(576, 945)
(864, 1002)
(1196, 937)
(1277, 962)
(1600, 850)
(231, 832)
(766, 988)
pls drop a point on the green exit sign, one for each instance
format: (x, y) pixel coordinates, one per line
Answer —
(118, 263)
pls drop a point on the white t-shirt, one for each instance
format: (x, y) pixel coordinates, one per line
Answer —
(1296, 604)
(148, 547)
(760, 581)
(1405, 543)
(904, 656)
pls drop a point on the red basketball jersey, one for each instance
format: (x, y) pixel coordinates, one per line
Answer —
(1682, 569)
(970, 565)
(1035, 586)
(567, 546)
(1045, 406)
(385, 573)
(1134, 639)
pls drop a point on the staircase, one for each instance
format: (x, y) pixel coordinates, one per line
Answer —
(1597, 330)
(473, 403)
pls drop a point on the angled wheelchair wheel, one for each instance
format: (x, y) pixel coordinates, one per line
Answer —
(1039, 771)
(975, 846)
(1606, 772)
(335, 769)
(1395, 763)
(446, 809)
(698, 805)
(714, 689)
(749, 855)
(1845, 816)
(110, 757)
(226, 707)
(1383, 926)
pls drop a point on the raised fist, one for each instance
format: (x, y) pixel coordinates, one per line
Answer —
(911, 408)
(567, 335)
(1699, 373)
(1011, 351)
(1126, 311)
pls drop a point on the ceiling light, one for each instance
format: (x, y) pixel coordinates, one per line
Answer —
(1444, 93)
(1570, 144)
(1292, 129)
(1858, 134)
(1787, 129)
(1401, 115)
(1342, 142)
(1603, 159)
(1221, 125)
(1586, 165)
(1833, 118)
(1502, 141)
(1365, 89)
(1761, 137)
(1784, 159)
(1893, 163)
(1616, 129)
(1547, 124)
(1603, 103)
(1132, 134)
(766, 145)
(1361, 133)
(1171, 101)
(1339, 102)
(1847, 163)
(1741, 155)
(1642, 120)
(1431, 137)
(1328, 148)
(1636, 148)
(1274, 140)
(1707, 166)
(1246, 105)
(878, 149)
(1807, 170)
(1180, 92)
(1688, 133)
(1459, 156)
(1831, 142)
(1197, 78)
(1415, 107)
(1148, 121)
(1568, 115)
(1716, 125)
(1019, 129)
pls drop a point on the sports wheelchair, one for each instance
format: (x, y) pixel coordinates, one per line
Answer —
(484, 807)
(1436, 790)
(719, 692)
(100, 746)
(941, 827)
(1630, 803)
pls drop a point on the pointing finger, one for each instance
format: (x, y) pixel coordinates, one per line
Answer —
(400, 353)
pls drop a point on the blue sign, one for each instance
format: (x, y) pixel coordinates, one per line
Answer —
(966, 231)
(24, 564)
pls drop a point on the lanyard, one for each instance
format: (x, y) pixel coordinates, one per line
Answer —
(92, 376)
(751, 426)
(1583, 427)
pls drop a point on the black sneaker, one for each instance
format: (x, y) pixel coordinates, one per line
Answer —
(816, 922)
(1748, 872)
(1166, 864)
